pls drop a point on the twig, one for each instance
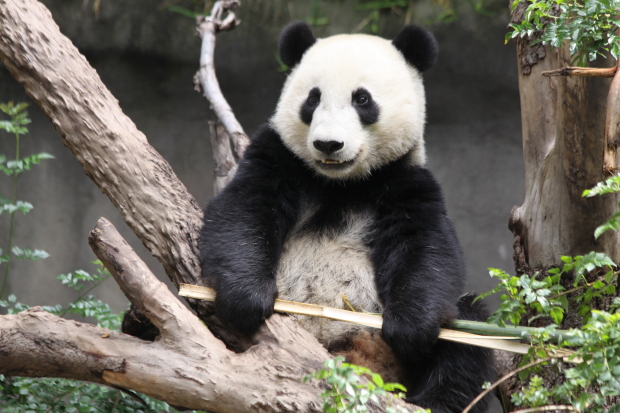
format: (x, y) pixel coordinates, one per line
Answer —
(547, 409)
(581, 71)
(207, 27)
(506, 377)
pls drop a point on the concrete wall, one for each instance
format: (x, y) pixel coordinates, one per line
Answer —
(147, 58)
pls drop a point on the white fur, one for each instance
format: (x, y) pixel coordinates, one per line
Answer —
(338, 66)
(320, 268)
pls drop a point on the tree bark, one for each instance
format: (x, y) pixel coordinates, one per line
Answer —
(113, 152)
(565, 151)
(563, 121)
(186, 366)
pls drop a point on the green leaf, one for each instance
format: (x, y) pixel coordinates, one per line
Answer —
(22, 206)
(25, 253)
(377, 379)
(183, 11)
(557, 314)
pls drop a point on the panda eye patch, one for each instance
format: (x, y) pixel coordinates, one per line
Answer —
(313, 100)
(367, 109)
(309, 105)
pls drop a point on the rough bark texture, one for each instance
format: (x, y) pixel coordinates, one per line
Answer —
(563, 122)
(565, 151)
(114, 154)
(186, 366)
(223, 158)
(612, 126)
(206, 79)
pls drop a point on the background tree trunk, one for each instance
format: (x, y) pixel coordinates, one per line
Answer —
(565, 152)
(563, 121)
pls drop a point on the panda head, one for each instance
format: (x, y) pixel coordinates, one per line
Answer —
(353, 103)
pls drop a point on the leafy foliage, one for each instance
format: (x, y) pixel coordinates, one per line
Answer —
(546, 296)
(590, 374)
(322, 12)
(608, 186)
(590, 26)
(26, 395)
(347, 391)
(17, 127)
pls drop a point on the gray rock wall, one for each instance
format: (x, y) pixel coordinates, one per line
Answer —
(147, 58)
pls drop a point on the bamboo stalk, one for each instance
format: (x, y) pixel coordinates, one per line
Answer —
(480, 327)
(370, 320)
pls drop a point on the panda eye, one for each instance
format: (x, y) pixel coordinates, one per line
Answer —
(313, 100)
(362, 100)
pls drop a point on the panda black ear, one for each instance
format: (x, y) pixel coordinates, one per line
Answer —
(418, 46)
(295, 39)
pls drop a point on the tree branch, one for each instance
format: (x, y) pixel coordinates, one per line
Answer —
(186, 366)
(113, 152)
(223, 160)
(207, 27)
(581, 71)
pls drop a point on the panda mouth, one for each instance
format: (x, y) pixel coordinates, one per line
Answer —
(334, 163)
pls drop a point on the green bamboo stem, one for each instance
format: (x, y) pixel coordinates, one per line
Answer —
(480, 327)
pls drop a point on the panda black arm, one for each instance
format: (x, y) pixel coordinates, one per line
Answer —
(419, 265)
(244, 229)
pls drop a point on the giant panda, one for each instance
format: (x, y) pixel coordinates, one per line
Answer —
(332, 205)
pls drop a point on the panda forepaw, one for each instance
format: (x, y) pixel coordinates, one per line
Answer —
(407, 339)
(246, 310)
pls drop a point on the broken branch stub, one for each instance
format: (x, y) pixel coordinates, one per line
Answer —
(207, 27)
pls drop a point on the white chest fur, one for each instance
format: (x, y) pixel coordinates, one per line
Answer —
(324, 267)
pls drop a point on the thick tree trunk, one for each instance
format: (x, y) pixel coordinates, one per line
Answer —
(563, 122)
(565, 151)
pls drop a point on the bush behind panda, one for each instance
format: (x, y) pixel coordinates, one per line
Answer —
(332, 205)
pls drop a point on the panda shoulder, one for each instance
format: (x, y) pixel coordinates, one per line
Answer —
(266, 145)
(267, 151)
(416, 184)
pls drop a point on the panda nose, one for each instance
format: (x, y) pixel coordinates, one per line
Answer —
(328, 147)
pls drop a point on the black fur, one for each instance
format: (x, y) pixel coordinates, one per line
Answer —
(419, 267)
(295, 39)
(310, 105)
(418, 46)
(367, 109)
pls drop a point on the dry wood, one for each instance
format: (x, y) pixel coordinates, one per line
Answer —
(581, 71)
(186, 366)
(224, 162)
(563, 122)
(113, 152)
(612, 127)
(207, 27)
(563, 125)
(369, 320)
